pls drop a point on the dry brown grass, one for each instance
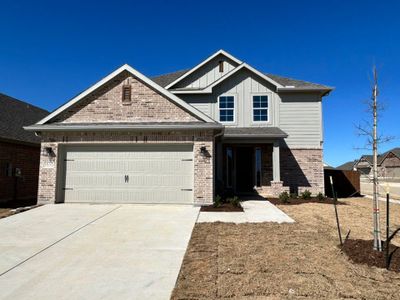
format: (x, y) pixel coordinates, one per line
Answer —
(285, 261)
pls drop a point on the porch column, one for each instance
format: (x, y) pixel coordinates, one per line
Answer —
(276, 168)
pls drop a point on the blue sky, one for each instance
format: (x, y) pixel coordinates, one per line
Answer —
(52, 50)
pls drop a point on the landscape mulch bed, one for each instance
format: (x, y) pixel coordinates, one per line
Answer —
(361, 252)
(299, 201)
(225, 207)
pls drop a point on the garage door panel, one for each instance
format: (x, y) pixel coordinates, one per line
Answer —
(136, 174)
(117, 182)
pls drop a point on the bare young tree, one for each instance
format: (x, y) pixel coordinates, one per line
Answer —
(369, 130)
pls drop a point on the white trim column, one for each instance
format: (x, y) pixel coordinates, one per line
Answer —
(276, 168)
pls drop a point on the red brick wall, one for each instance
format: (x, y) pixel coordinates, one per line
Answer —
(27, 159)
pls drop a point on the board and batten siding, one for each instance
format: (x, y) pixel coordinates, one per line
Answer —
(298, 114)
(242, 86)
(207, 74)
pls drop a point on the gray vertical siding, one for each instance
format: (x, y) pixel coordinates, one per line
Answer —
(207, 74)
(298, 114)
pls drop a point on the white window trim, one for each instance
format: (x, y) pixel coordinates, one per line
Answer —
(268, 108)
(234, 109)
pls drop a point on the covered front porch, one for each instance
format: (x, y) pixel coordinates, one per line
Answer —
(248, 162)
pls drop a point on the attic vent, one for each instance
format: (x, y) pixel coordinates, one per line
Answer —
(126, 93)
(221, 66)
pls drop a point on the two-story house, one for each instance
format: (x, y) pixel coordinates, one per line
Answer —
(184, 136)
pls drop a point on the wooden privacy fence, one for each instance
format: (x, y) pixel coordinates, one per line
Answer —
(346, 183)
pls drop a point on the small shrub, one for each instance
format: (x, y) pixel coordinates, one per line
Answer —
(320, 196)
(306, 195)
(235, 201)
(217, 201)
(293, 196)
(284, 197)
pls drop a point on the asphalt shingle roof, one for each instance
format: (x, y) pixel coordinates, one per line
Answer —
(348, 166)
(14, 114)
(164, 80)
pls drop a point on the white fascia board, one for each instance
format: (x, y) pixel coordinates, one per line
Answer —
(262, 75)
(237, 69)
(208, 89)
(222, 52)
(140, 76)
(190, 92)
(118, 127)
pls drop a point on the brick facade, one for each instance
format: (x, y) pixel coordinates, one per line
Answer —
(302, 169)
(26, 158)
(203, 163)
(106, 105)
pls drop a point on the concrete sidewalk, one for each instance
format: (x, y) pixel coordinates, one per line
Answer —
(255, 211)
(82, 251)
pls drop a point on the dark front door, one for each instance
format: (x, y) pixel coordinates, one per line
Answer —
(244, 169)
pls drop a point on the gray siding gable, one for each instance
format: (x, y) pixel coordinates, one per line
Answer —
(298, 114)
(206, 74)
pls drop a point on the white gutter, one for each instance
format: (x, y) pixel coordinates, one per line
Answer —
(119, 127)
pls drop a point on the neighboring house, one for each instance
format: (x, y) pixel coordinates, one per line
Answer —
(184, 137)
(19, 150)
(348, 166)
(388, 164)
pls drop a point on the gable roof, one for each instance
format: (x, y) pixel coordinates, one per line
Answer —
(14, 115)
(179, 102)
(192, 70)
(395, 151)
(208, 89)
(286, 83)
(381, 157)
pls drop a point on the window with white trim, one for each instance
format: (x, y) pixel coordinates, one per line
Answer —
(260, 108)
(226, 109)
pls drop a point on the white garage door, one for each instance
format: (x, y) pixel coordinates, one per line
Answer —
(129, 174)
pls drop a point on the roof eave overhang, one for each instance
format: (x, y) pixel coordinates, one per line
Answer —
(107, 127)
(203, 91)
(255, 136)
(322, 91)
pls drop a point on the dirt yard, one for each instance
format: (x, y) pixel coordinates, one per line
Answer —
(286, 261)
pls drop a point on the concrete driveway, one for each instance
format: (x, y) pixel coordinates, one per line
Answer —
(83, 251)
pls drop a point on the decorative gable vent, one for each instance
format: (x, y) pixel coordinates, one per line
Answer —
(221, 66)
(126, 93)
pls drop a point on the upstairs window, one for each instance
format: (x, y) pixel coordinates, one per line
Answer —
(126, 93)
(260, 108)
(226, 109)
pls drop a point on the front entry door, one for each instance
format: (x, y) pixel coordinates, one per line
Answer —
(244, 169)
